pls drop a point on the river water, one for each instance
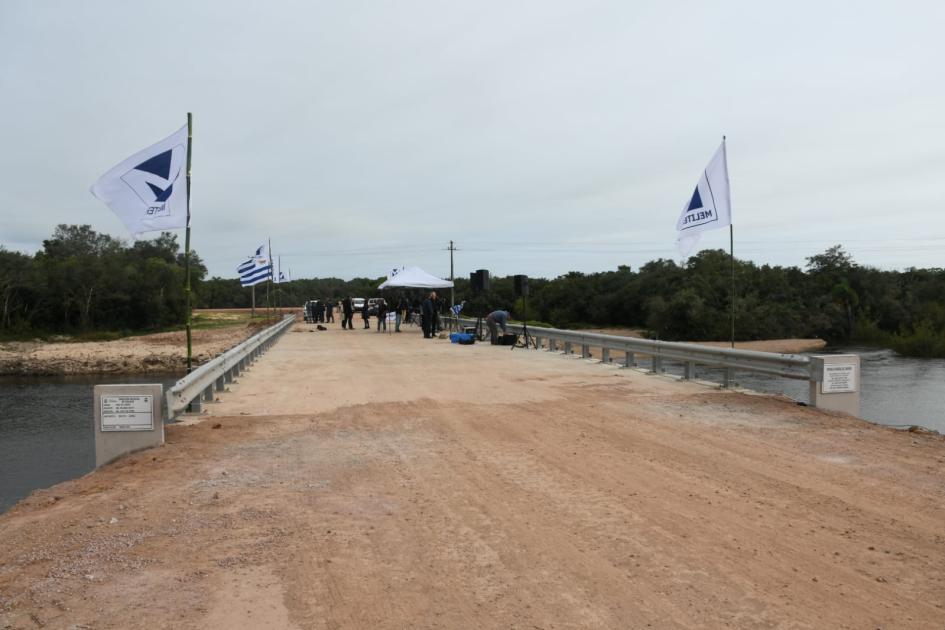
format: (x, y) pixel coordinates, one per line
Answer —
(46, 422)
(46, 429)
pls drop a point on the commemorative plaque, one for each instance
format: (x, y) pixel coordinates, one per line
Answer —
(839, 378)
(128, 412)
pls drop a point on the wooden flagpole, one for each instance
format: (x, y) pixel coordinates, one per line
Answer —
(731, 239)
(190, 135)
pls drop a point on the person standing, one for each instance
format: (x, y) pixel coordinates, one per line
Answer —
(403, 307)
(435, 317)
(347, 311)
(329, 312)
(426, 315)
(496, 320)
(382, 315)
(366, 316)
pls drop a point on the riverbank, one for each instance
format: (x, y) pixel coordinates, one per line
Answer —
(781, 346)
(423, 484)
(160, 352)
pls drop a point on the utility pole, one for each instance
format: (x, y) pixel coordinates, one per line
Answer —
(452, 289)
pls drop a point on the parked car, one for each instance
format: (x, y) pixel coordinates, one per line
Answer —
(358, 303)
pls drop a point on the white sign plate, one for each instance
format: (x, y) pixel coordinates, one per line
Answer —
(839, 378)
(133, 412)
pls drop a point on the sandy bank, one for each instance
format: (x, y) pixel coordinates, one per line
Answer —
(161, 352)
(357, 480)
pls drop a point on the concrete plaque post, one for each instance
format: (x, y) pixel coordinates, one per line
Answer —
(835, 382)
(128, 418)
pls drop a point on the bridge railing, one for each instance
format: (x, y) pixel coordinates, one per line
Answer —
(791, 366)
(198, 386)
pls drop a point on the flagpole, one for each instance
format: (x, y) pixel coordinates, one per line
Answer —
(731, 243)
(269, 283)
(190, 141)
(731, 250)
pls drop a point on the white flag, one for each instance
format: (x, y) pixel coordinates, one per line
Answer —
(148, 191)
(710, 207)
(279, 276)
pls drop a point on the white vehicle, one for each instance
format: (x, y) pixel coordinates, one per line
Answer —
(357, 303)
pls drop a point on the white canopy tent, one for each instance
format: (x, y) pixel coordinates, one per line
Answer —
(414, 277)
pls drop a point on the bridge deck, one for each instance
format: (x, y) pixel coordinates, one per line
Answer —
(358, 480)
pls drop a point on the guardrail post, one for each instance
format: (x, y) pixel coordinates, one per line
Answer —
(208, 394)
(585, 351)
(630, 360)
(605, 355)
(228, 376)
(657, 364)
(195, 406)
(567, 347)
(690, 371)
(221, 383)
(728, 378)
(552, 345)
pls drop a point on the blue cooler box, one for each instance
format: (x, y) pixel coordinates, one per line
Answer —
(463, 338)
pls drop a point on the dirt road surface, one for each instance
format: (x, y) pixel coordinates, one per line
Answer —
(358, 480)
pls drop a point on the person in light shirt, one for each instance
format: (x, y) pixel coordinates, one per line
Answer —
(496, 320)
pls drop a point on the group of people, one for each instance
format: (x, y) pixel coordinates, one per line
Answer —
(427, 310)
(320, 311)
(402, 309)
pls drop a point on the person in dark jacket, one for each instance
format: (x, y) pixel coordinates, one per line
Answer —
(347, 309)
(403, 308)
(426, 315)
(366, 317)
(329, 312)
(382, 315)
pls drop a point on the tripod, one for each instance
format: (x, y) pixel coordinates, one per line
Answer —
(526, 336)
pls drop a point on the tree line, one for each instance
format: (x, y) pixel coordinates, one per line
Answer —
(81, 280)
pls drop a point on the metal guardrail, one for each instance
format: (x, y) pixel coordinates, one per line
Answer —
(792, 366)
(198, 386)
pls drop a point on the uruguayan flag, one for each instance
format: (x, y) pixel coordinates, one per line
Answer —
(256, 269)
(148, 191)
(456, 308)
(710, 207)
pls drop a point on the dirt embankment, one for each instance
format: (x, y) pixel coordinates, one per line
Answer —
(352, 479)
(161, 352)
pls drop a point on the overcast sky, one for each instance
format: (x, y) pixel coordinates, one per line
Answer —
(541, 136)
